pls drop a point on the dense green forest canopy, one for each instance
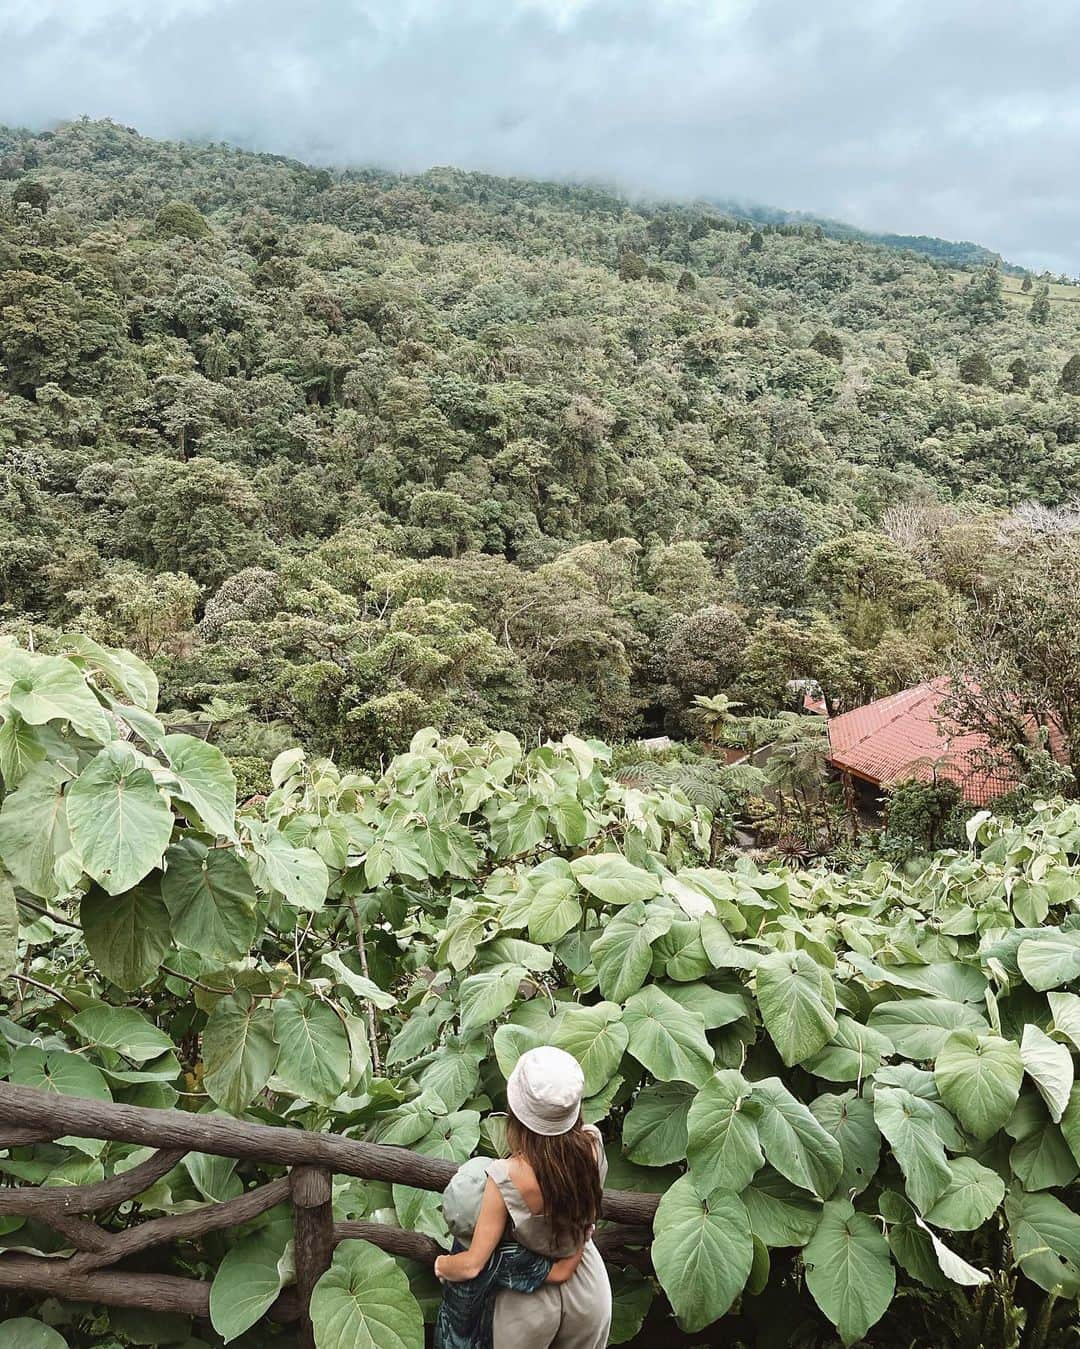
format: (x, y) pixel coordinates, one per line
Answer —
(345, 454)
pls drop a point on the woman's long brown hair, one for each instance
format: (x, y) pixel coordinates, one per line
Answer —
(568, 1174)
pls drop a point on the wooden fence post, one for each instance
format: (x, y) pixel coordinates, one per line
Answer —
(313, 1238)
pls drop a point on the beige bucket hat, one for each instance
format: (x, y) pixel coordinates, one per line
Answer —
(545, 1090)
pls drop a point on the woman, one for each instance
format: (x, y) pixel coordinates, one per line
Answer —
(549, 1190)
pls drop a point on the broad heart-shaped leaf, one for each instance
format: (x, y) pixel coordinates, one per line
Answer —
(666, 1039)
(20, 1332)
(59, 1072)
(1070, 1122)
(454, 1072)
(854, 1053)
(849, 1270)
(9, 927)
(596, 1037)
(722, 1136)
(34, 829)
(780, 1214)
(614, 880)
(299, 874)
(702, 1252)
(50, 688)
(797, 1000)
(972, 1194)
(919, 1027)
(850, 1120)
(451, 1138)
(1064, 1008)
(127, 934)
(908, 1124)
(485, 996)
(1045, 1237)
(120, 823)
(239, 1050)
(631, 1298)
(126, 672)
(211, 900)
(622, 953)
(206, 782)
(655, 1127)
(1043, 1160)
(249, 1279)
(979, 1079)
(510, 1042)
(1050, 960)
(1050, 1067)
(794, 1142)
(363, 1301)
(121, 1028)
(553, 909)
(314, 1061)
(21, 748)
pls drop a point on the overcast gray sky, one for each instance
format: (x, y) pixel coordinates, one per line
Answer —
(920, 116)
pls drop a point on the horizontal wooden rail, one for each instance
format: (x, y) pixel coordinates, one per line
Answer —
(29, 1115)
(177, 1132)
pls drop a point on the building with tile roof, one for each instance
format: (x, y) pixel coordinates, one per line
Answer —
(905, 736)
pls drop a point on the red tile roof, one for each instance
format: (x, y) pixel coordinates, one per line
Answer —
(904, 736)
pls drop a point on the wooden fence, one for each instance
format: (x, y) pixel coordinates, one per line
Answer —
(28, 1115)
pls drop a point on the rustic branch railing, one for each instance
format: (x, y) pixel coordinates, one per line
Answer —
(28, 1116)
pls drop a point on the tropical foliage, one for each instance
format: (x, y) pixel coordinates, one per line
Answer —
(855, 1093)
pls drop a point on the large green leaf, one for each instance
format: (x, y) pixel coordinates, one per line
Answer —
(655, 1127)
(614, 880)
(454, 1072)
(1050, 960)
(781, 1214)
(9, 927)
(553, 908)
(121, 1028)
(363, 1301)
(597, 1038)
(21, 747)
(850, 1120)
(722, 1136)
(50, 688)
(908, 1123)
(1050, 1067)
(59, 1072)
(622, 953)
(299, 874)
(631, 1297)
(211, 900)
(239, 1050)
(34, 828)
(1065, 1009)
(797, 1001)
(206, 782)
(126, 672)
(120, 823)
(127, 934)
(979, 1079)
(702, 1252)
(249, 1279)
(849, 1270)
(485, 996)
(855, 1052)
(919, 1027)
(971, 1196)
(793, 1141)
(20, 1332)
(314, 1061)
(1045, 1237)
(668, 1040)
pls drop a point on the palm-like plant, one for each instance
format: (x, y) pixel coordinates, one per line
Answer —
(713, 714)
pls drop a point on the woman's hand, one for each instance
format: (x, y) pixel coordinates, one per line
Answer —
(455, 1268)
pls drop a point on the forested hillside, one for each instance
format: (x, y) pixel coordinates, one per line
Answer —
(345, 454)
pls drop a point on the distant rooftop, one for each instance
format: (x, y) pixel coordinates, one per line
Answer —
(905, 737)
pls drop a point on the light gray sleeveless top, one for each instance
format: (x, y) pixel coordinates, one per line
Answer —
(533, 1229)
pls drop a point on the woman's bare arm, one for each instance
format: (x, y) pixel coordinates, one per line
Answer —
(563, 1270)
(490, 1226)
